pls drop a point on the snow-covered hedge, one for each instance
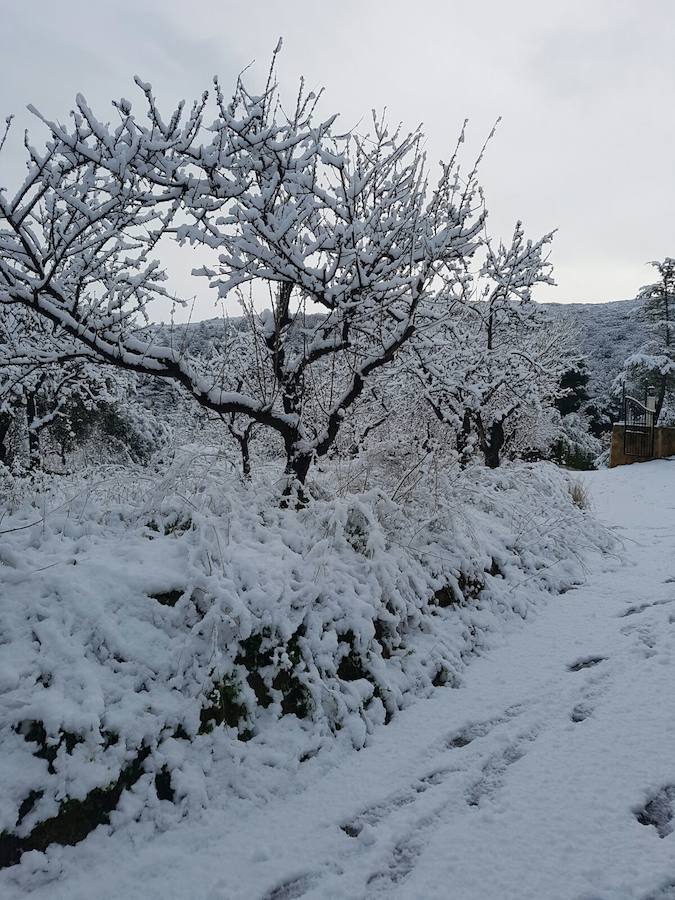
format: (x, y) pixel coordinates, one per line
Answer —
(195, 612)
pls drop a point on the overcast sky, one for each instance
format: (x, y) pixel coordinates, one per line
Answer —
(585, 91)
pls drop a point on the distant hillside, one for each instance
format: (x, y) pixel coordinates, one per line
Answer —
(609, 332)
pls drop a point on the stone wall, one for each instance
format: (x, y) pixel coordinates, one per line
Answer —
(664, 446)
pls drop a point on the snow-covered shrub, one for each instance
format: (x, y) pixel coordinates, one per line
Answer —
(109, 431)
(150, 625)
(543, 433)
(579, 494)
(575, 447)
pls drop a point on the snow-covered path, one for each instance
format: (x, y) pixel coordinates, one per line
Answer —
(525, 782)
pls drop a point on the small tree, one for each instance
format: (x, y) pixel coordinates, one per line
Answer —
(53, 396)
(493, 357)
(40, 375)
(340, 224)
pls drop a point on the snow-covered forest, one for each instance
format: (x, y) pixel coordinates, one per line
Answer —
(239, 554)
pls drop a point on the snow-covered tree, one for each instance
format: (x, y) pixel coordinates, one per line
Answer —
(39, 377)
(342, 224)
(573, 387)
(654, 363)
(53, 396)
(496, 355)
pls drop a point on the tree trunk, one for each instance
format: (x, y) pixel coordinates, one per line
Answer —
(244, 440)
(245, 458)
(33, 437)
(463, 436)
(5, 450)
(660, 398)
(297, 467)
(492, 446)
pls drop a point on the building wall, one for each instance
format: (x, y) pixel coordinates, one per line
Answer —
(664, 446)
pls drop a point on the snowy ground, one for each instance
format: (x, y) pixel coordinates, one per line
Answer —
(524, 782)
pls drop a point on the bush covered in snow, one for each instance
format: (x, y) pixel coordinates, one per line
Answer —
(151, 624)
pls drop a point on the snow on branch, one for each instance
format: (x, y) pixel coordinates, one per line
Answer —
(344, 230)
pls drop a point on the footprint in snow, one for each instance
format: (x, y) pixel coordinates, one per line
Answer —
(663, 892)
(586, 662)
(593, 688)
(470, 733)
(293, 888)
(494, 770)
(373, 815)
(641, 607)
(647, 640)
(581, 712)
(402, 862)
(659, 811)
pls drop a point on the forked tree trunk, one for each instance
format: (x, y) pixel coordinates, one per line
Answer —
(244, 441)
(298, 467)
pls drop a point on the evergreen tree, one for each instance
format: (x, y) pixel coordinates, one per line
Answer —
(654, 363)
(573, 386)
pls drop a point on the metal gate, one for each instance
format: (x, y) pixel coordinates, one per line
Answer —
(638, 431)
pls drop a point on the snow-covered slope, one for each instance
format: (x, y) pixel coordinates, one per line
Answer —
(608, 332)
(547, 774)
(176, 641)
